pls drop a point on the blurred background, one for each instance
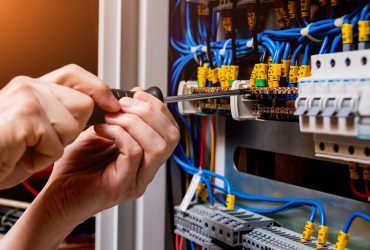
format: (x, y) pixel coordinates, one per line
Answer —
(39, 36)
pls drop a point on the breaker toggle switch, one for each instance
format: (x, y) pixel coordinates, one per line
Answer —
(315, 106)
(330, 107)
(347, 107)
(301, 106)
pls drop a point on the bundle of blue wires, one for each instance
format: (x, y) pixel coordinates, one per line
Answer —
(185, 164)
(278, 45)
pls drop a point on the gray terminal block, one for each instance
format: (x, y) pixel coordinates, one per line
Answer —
(228, 226)
(277, 238)
(188, 224)
(194, 214)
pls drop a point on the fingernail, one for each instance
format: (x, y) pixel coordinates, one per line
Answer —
(126, 102)
(115, 104)
(142, 96)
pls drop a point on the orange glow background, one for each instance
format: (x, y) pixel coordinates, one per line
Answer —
(39, 36)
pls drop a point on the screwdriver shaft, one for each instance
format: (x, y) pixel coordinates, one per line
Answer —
(207, 95)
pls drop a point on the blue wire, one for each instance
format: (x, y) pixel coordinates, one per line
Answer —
(274, 199)
(295, 54)
(286, 51)
(323, 46)
(335, 43)
(230, 59)
(306, 54)
(288, 205)
(188, 25)
(278, 53)
(194, 170)
(192, 245)
(210, 193)
(305, 21)
(364, 12)
(352, 217)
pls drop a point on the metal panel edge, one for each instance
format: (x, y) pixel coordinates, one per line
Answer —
(153, 67)
(115, 226)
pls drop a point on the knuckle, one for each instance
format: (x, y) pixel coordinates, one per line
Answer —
(162, 148)
(31, 106)
(147, 110)
(72, 68)
(103, 86)
(174, 135)
(20, 79)
(87, 104)
(135, 152)
(21, 84)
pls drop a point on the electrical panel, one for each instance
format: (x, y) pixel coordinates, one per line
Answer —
(283, 127)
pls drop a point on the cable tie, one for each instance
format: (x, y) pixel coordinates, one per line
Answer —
(306, 32)
(194, 51)
(223, 50)
(339, 21)
(250, 43)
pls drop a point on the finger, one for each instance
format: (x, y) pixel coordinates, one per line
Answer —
(43, 145)
(128, 162)
(152, 100)
(66, 109)
(136, 89)
(156, 150)
(77, 78)
(153, 116)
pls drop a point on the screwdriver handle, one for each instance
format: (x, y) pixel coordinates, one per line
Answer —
(154, 91)
(97, 115)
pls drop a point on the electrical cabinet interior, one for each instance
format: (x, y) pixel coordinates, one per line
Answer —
(286, 165)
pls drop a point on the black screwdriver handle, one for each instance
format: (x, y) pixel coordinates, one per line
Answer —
(97, 117)
(154, 91)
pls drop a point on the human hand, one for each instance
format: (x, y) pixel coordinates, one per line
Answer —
(104, 166)
(116, 161)
(39, 117)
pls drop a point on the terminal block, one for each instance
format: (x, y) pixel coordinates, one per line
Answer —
(202, 240)
(263, 103)
(189, 224)
(277, 238)
(217, 226)
(334, 104)
(206, 107)
(228, 226)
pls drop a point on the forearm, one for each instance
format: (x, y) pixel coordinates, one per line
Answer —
(40, 227)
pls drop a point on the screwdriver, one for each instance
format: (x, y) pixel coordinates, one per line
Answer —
(97, 116)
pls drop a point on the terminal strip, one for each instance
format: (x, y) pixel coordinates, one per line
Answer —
(217, 227)
(278, 238)
(189, 224)
(228, 226)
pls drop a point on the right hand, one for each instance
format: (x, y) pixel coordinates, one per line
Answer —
(39, 117)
